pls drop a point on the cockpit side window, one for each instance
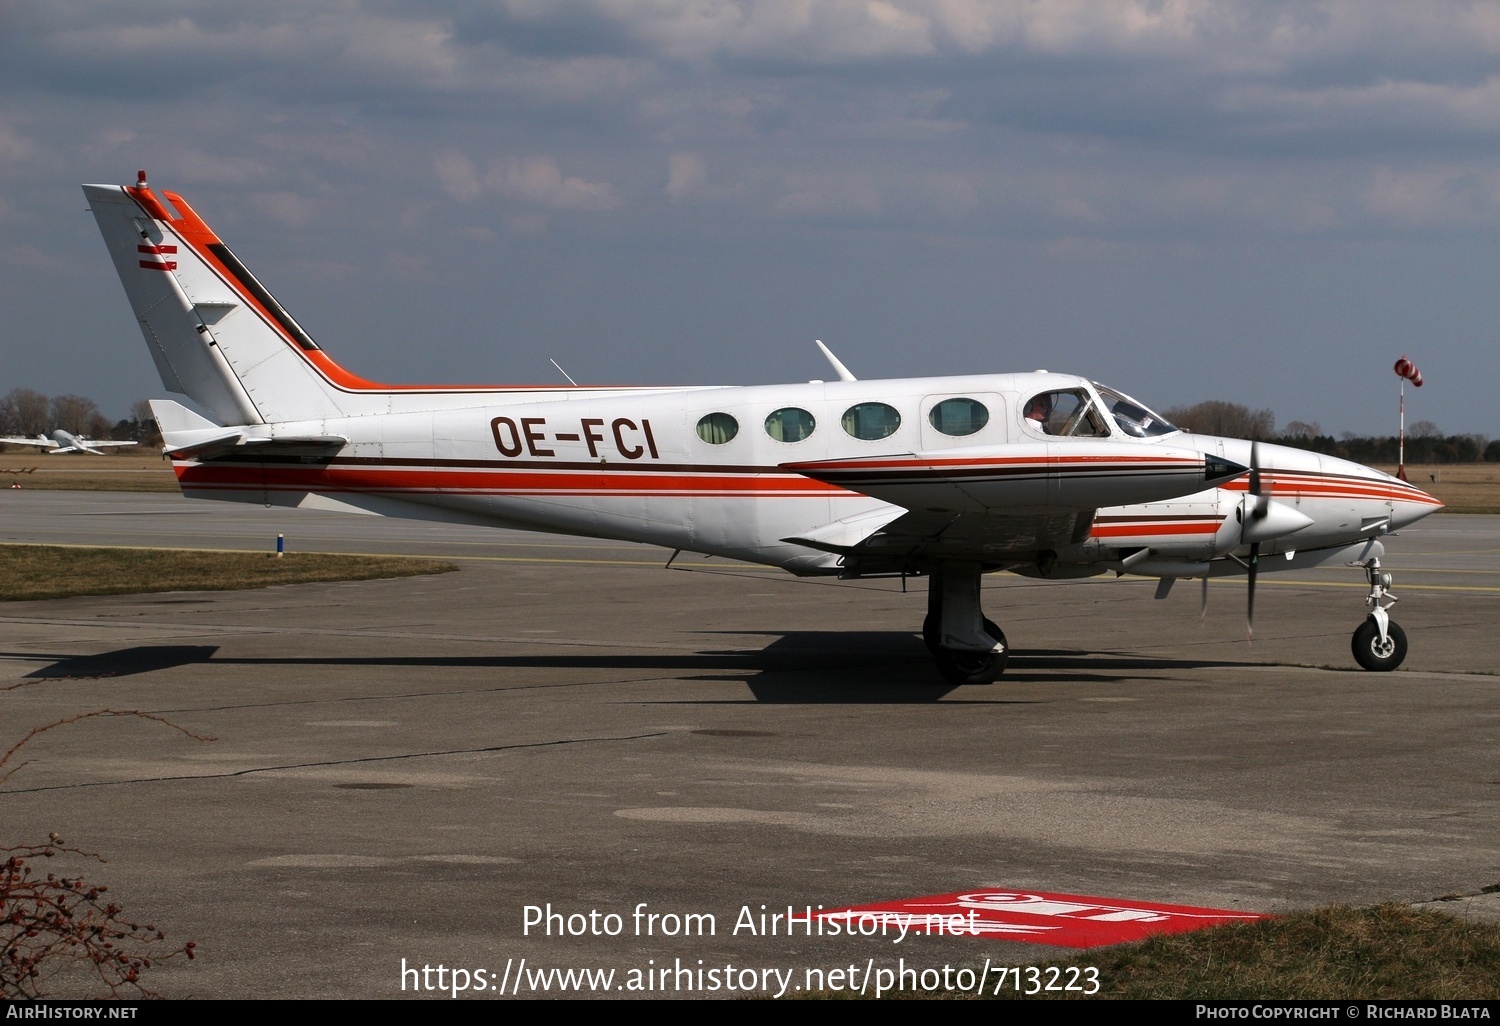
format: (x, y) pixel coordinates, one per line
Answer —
(1133, 418)
(1065, 412)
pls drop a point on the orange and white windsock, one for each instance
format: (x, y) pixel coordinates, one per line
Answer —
(1408, 370)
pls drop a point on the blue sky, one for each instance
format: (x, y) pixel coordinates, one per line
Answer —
(1250, 201)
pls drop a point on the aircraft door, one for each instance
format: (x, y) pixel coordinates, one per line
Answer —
(954, 419)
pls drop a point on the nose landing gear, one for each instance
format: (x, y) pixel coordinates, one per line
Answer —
(1379, 643)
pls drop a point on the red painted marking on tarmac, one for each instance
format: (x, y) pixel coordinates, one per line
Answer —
(1064, 920)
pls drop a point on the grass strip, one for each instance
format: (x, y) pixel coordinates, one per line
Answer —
(1336, 952)
(131, 472)
(54, 571)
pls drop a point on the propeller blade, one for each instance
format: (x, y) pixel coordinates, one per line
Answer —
(1203, 600)
(1258, 511)
(1261, 506)
(1250, 600)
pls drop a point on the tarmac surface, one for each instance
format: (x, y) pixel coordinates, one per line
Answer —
(401, 767)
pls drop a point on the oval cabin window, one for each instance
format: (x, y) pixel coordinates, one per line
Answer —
(717, 428)
(959, 417)
(871, 421)
(790, 424)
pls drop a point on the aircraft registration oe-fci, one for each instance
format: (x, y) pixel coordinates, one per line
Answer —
(1045, 475)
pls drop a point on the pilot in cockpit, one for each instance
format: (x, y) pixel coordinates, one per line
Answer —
(1038, 410)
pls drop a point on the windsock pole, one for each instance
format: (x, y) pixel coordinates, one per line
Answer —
(1401, 437)
(1406, 371)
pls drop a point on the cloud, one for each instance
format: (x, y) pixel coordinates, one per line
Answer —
(458, 176)
(1207, 75)
(827, 196)
(688, 181)
(687, 173)
(408, 265)
(539, 180)
(292, 209)
(200, 167)
(1434, 196)
(14, 147)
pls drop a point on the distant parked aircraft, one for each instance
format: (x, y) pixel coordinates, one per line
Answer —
(61, 441)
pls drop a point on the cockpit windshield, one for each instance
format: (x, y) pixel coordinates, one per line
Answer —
(1133, 418)
(1065, 411)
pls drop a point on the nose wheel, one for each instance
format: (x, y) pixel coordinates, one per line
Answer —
(1379, 643)
(1376, 653)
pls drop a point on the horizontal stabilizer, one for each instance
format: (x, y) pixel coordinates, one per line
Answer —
(186, 434)
(250, 447)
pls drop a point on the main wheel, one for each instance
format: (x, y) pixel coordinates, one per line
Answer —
(932, 633)
(963, 667)
(1371, 654)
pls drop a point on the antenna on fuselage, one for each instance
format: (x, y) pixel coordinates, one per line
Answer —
(562, 372)
(838, 368)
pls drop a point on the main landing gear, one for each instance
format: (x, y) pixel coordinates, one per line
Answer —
(969, 649)
(1378, 643)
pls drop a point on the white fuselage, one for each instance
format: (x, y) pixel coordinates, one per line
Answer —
(633, 464)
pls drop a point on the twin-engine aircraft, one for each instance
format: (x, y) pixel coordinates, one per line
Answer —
(61, 442)
(1045, 475)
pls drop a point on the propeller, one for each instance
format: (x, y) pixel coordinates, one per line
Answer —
(1254, 513)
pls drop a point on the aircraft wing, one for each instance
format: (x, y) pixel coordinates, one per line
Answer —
(45, 443)
(997, 505)
(1071, 476)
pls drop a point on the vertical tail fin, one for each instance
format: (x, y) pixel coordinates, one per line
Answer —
(216, 334)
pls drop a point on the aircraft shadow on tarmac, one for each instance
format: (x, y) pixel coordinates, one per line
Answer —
(798, 666)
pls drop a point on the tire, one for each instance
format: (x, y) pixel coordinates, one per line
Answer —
(961, 667)
(1369, 652)
(930, 633)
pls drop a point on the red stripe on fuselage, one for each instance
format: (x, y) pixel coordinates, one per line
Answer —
(496, 481)
(1285, 485)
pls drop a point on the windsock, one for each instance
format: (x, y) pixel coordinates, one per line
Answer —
(1408, 370)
